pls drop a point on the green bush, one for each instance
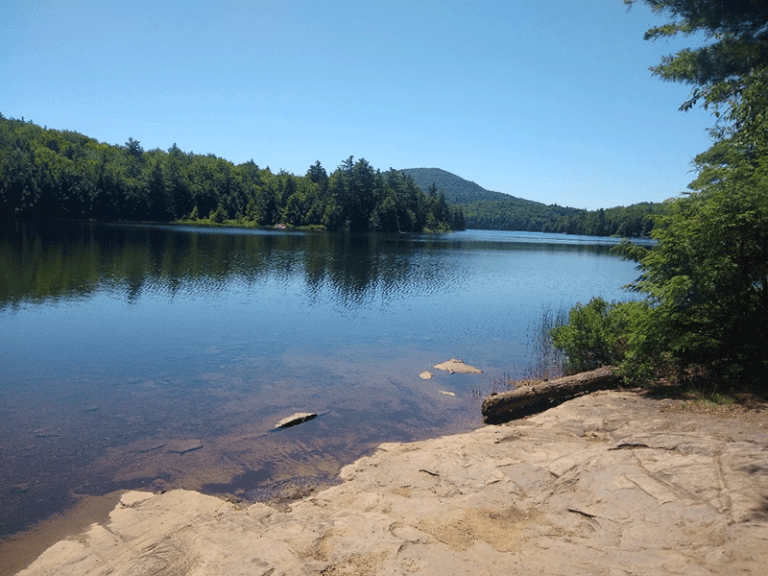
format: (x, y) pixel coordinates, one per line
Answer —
(589, 339)
(617, 333)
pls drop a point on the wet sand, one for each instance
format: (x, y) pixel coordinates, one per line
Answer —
(21, 549)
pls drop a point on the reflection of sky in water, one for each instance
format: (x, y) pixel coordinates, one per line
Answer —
(117, 335)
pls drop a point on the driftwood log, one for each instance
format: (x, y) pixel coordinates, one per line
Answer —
(525, 400)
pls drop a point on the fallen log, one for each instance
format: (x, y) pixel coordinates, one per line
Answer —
(530, 399)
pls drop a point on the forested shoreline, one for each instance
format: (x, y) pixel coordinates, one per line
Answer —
(52, 173)
(633, 221)
(63, 174)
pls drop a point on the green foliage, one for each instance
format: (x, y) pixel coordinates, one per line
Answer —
(61, 174)
(625, 221)
(709, 273)
(218, 216)
(706, 280)
(368, 200)
(708, 277)
(596, 334)
(622, 334)
(722, 69)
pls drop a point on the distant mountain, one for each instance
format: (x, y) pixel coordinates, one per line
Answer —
(456, 189)
(485, 209)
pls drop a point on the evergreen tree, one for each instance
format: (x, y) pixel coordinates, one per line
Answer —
(706, 281)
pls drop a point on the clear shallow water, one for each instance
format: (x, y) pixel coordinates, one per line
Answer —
(157, 357)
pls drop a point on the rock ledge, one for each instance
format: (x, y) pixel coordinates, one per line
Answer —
(604, 484)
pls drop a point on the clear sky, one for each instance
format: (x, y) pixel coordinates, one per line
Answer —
(549, 100)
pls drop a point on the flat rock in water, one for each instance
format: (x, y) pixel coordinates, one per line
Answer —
(294, 419)
(454, 366)
(146, 446)
(183, 446)
(426, 375)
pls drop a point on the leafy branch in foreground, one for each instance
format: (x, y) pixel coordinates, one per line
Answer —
(726, 64)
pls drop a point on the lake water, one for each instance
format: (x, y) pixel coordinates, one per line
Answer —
(157, 357)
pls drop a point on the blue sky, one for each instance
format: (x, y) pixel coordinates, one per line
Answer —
(549, 100)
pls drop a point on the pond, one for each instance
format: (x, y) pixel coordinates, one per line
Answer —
(157, 357)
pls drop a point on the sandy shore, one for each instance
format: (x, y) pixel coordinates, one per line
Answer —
(610, 483)
(22, 548)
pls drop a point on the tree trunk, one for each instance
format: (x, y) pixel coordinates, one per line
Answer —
(499, 408)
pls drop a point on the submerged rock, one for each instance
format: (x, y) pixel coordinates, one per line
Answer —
(454, 366)
(294, 419)
(183, 446)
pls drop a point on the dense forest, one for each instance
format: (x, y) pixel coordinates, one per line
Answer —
(63, 174)
(625, 221)
(487, 210)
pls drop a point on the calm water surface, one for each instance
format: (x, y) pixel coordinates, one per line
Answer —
(157, 357)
